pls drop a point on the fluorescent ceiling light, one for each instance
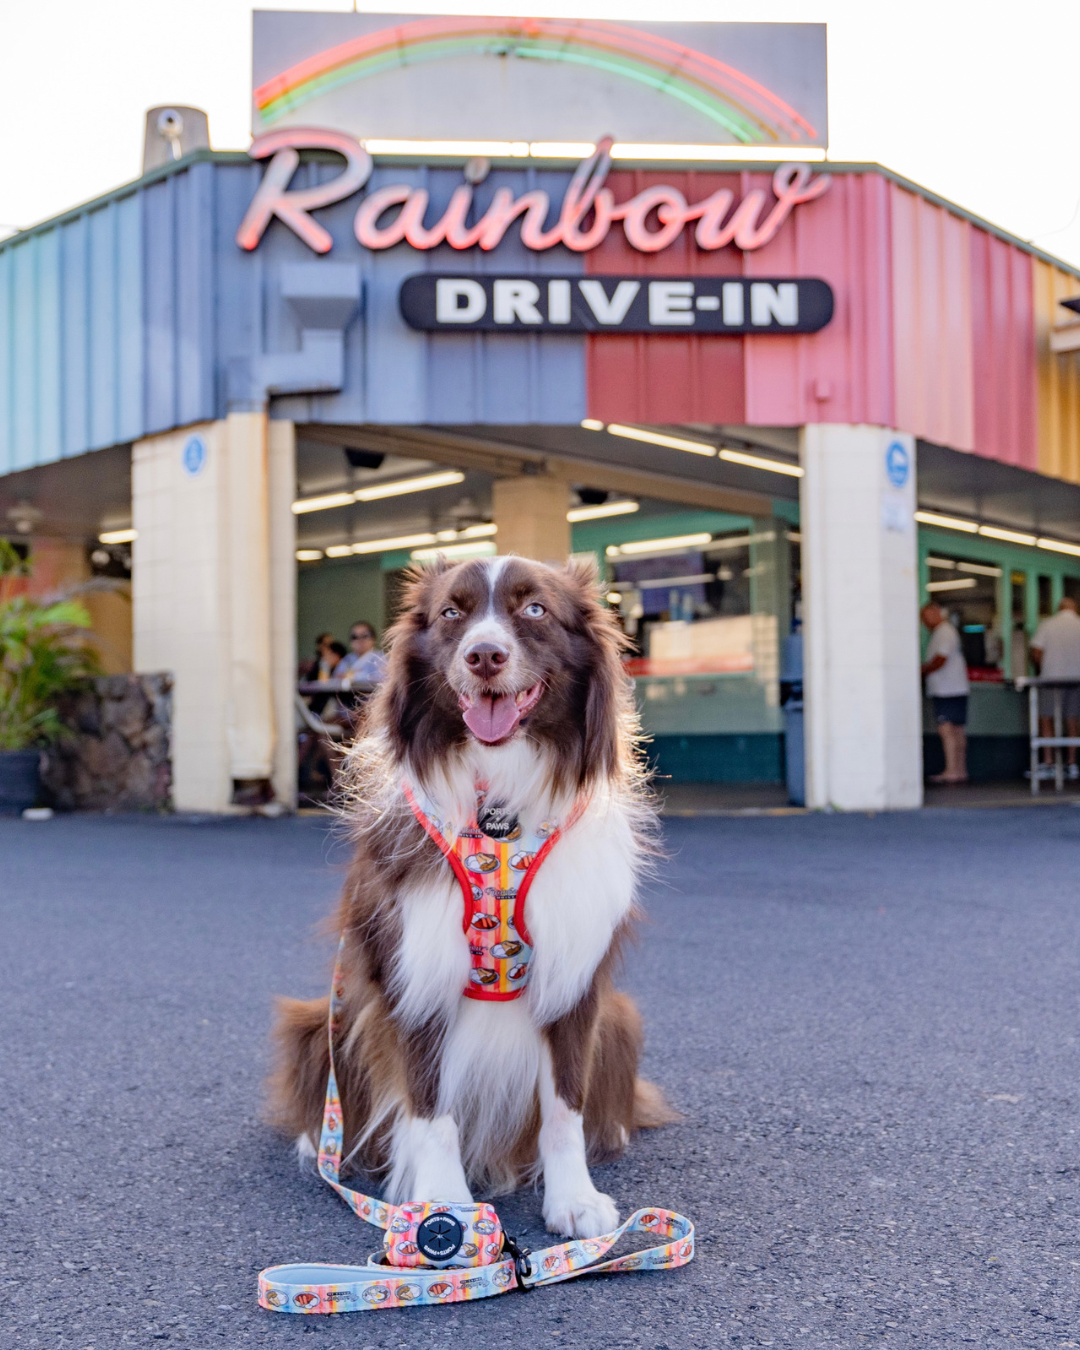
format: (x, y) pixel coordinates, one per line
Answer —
(486, 149)
(950, 563)
(1058, 546)
(956, 584)
(760, 462)
(591, 424)
(118, 536)
(699, 579)
(480, 548)
(656, 438)
(1009, 536)
(980, 569)
(718, 153)
(339, 551)
(479, 531)
(947, 522)
(613, 598)
(323, 503)
(658, 545)
(403, 485)
(385, 545)
(377, 491)
(310, 554)
(580, 513)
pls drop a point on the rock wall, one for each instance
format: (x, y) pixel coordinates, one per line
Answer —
(115, 755)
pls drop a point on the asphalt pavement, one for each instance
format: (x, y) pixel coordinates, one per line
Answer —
(869, 1023)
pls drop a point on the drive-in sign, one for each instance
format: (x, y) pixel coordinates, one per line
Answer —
(615, 304)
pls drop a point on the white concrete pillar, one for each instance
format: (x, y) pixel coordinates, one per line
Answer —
(214, 602)
(860, 619)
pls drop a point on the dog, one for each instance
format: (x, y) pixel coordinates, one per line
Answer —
(506, 715)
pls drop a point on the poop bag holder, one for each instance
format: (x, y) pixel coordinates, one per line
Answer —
(445, 1253)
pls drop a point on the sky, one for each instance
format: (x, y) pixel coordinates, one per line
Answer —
(975, 101)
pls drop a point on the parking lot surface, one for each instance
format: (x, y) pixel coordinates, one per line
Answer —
(869, 1024)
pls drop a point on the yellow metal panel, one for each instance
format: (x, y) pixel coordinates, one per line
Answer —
(1058, 376)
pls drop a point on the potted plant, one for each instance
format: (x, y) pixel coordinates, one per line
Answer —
(43, 654)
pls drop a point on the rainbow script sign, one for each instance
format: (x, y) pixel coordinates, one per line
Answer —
(396, 214)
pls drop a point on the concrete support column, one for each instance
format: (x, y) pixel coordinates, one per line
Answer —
(530, 512)
(214, 601)
(860, 613)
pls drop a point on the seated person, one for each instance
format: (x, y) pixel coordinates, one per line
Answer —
(364, 661)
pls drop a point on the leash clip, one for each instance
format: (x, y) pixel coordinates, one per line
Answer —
(522, 1265)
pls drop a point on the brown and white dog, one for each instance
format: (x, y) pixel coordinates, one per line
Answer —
(504, 672)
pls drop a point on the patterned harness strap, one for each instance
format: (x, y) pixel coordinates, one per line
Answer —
(451, 1253)
(495, 863)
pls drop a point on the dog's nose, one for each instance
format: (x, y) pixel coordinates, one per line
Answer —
(486, 659)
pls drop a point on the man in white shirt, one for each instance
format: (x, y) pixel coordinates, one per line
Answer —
(364, 661)
(1056, 652)
(946, 676)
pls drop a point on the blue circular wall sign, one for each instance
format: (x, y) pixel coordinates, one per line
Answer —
(897, 464)
(194, 456)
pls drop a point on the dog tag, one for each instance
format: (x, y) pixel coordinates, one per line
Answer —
(497, 822)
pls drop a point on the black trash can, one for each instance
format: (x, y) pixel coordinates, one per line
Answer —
(20, 780)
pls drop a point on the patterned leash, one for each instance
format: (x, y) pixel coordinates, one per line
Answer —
(446, 1253)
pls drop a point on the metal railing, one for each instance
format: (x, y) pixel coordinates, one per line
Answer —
(1058, 741)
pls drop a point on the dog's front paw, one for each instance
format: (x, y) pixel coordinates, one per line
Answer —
(586, 1215)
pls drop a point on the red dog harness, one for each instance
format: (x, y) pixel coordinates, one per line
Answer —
(495, 865)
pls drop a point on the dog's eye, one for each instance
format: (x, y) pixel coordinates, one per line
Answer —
(451, 613)
(534, 611)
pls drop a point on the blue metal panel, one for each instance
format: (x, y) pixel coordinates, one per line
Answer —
(24, 362)
(159, 253)
(48, 354)
(120, 319)
(75, 357)
(130, 347)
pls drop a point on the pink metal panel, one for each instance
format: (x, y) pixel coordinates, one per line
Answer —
(932, 318)
(1003, 339)
(843, 373)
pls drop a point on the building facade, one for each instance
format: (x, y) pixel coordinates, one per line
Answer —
(773, 399)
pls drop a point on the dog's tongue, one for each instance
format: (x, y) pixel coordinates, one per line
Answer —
(492, 718)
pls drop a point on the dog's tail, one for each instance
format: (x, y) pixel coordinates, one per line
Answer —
(650, 1107)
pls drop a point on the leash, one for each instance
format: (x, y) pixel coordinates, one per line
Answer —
(445, 1253)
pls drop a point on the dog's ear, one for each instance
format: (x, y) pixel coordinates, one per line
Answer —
(607, 700)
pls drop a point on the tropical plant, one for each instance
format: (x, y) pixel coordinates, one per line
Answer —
(43, 655)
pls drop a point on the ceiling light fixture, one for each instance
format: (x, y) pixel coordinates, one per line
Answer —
(672, 545)
(580, 513)
(309, 554)
(591, 424)
(403, 485)
(377, 491)
(657, 438)
(323, 503)
(1058, 546)
(979, 569)
(339, 551)
(118, 536)
(947, 522)
(1007, 536)
(479, 548)
(956, 584)
(760, 462)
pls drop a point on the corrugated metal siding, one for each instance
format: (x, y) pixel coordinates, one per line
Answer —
(931, 270)
(1058, 376)
(1003, 351)
(843, 373)
(671, 378)
(394, 374)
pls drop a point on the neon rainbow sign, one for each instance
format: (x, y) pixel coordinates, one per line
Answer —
(747, 111)
(585, 216)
